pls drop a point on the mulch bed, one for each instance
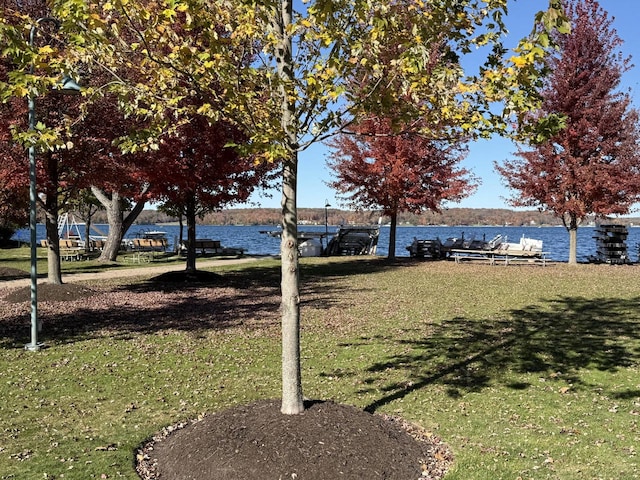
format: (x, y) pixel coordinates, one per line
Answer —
(67, 292)
(8, 273)
(326, 441)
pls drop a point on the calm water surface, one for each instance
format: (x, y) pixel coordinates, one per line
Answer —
(555, 239)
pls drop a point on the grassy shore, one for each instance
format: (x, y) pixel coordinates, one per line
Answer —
(527, 372)
(20, 258)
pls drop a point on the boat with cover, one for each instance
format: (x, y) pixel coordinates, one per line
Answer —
(497, 245)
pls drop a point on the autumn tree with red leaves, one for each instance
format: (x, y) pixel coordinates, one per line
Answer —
(592, 166)
(56, 180)
(196, 172)
(118, 180)
(14, 190)
(377, 169)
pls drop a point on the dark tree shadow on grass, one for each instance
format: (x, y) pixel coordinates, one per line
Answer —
(246, 299)
(192, 313)
(559, 338)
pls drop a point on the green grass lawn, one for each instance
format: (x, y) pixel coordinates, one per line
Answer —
(527, 372)
(20, 258)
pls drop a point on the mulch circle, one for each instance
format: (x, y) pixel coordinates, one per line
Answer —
(326, 441)
(47, 292)
(8, 273)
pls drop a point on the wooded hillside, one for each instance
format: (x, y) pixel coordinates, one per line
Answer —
(316, 216)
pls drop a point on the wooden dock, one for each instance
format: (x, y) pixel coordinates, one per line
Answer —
(500, 257)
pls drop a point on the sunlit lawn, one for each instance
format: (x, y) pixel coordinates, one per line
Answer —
(20, 258)
(527, 372)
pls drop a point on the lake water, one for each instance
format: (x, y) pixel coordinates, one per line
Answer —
(555, 239)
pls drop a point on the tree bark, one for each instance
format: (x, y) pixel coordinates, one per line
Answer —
(51, 210)
(292, 398)
(573, 246)
(87, 234)
(54, 269)
(113, 207)
(392, 236)
(191, 235)
(180, 234)
(118, 225)
(572, 228)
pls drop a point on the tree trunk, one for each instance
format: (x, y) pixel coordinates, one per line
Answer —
(392, 236)
(180, 233)
(113, 208)
(292, 399)
(573, 246)
(118, 225)
(54, 270)
(87, 234)
(572, 227)
(191, 235)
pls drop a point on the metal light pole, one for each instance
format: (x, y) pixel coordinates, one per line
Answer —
(69, 86)
(326, 218)
(326, 225)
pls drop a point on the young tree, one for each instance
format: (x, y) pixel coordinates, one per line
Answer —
(592, 166)
(313, 56)
(308, 56)
(377, 169)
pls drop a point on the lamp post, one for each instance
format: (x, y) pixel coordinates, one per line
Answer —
(326, 220)
(68, 86)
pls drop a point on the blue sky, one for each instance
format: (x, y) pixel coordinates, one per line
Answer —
(313, 171)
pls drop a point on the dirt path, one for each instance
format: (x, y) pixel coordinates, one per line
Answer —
(130, 272)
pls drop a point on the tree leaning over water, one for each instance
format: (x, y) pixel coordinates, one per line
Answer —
(593, 165)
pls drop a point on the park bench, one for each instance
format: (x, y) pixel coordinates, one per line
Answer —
(204, 246)
(145, 249)
(71, 250)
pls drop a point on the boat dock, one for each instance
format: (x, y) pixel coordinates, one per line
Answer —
(503, 257)
(496, 251)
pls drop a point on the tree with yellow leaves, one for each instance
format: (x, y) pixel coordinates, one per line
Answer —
(319, 65)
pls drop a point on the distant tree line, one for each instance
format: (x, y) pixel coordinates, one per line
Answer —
(316, 216)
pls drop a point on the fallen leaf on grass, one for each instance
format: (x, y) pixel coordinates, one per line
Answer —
(108, 448)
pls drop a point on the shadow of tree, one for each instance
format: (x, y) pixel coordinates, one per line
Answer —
(563, 336)
(245, 298)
